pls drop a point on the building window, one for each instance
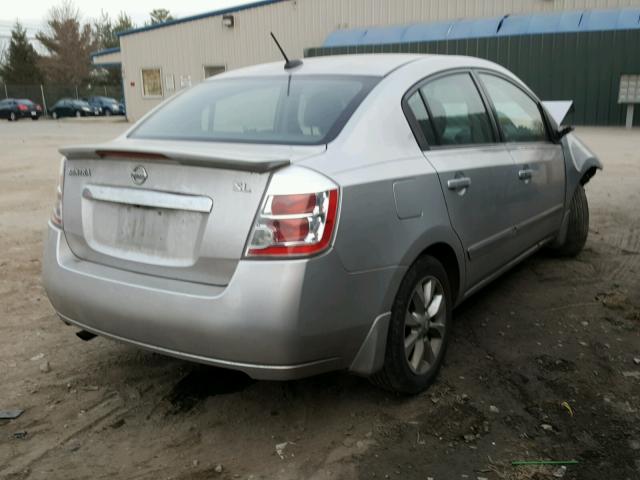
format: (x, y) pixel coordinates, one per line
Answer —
(211, 70)
(151, 82)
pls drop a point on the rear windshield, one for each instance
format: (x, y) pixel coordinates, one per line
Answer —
(302, 110)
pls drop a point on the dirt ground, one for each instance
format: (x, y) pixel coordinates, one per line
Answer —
(544, 365)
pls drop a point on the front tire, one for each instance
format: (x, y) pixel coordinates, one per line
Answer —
(578, 228)
(418, 330)
(54, 115)
(78, 113)
(107, 113)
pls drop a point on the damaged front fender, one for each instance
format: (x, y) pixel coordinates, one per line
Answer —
(580, 161)
(580, 165)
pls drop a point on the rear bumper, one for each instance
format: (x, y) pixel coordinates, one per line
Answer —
(27, 114)
(275, 320)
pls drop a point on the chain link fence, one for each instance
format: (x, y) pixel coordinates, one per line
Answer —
(47, 95)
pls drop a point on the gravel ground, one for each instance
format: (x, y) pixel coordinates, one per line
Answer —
(544, 364)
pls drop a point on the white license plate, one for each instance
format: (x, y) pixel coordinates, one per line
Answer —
(33, 114)
(143, 228)
(150, 235)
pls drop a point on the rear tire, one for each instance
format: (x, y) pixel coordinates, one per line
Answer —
(417, 319)
(107, 113)
(578, 228)
(12, 117)
(54, 115)
(78, 113)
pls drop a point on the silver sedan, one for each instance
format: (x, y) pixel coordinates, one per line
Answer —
(329, 215)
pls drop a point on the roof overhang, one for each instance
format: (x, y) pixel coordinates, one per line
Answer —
(109, 57)
(214, 13)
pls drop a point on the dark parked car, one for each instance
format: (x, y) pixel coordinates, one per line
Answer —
(15, 108)
(108, 106)
(69, 107)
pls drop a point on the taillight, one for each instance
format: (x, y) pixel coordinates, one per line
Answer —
(56, 214)
(294, 224)
(22, 108)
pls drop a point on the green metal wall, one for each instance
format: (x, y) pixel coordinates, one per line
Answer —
(584, 67)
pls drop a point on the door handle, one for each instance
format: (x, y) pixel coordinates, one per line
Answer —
(458, 183)
(525, 174)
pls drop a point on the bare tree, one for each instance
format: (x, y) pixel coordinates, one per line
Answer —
(69, 43)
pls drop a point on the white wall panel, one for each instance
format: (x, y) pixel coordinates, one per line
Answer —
(184, 48)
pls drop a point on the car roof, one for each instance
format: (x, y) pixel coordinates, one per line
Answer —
(377, 65)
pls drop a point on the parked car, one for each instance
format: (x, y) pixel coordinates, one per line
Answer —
(15, 108)
(70, 107)
(287, 222)
(107, 106)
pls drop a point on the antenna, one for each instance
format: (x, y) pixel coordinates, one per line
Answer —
(288, 63)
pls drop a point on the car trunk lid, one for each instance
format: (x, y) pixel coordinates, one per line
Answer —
(181, 210)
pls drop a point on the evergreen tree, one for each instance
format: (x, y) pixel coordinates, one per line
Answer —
(159, 15)
(20, 64)
(106, 31)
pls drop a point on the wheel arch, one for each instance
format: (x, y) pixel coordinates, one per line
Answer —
(446, 255)
(588, 174)
(447, 250)
(581, 165)
(443, 244)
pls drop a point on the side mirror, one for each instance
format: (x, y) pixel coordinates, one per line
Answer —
(563, 131)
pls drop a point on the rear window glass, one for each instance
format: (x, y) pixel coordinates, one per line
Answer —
(304, 110)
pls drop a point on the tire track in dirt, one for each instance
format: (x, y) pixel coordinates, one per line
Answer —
(629, 260)
(96, 416)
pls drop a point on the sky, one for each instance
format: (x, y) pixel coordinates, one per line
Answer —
(31, 12)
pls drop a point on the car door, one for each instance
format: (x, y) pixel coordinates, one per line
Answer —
(66, 108)
(536, 189)
(59, 108)
(472, 165)
(4, 108)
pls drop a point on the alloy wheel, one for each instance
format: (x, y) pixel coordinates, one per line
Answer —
(425, 325)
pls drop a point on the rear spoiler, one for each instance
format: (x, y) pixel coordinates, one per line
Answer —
(558, 109)
(182, 156)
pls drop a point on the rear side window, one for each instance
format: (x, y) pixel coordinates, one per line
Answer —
(422, 117)
(458, 114)
(300, 110)
(518, 114)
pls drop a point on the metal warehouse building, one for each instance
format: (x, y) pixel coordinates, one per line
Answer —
(565, 49)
